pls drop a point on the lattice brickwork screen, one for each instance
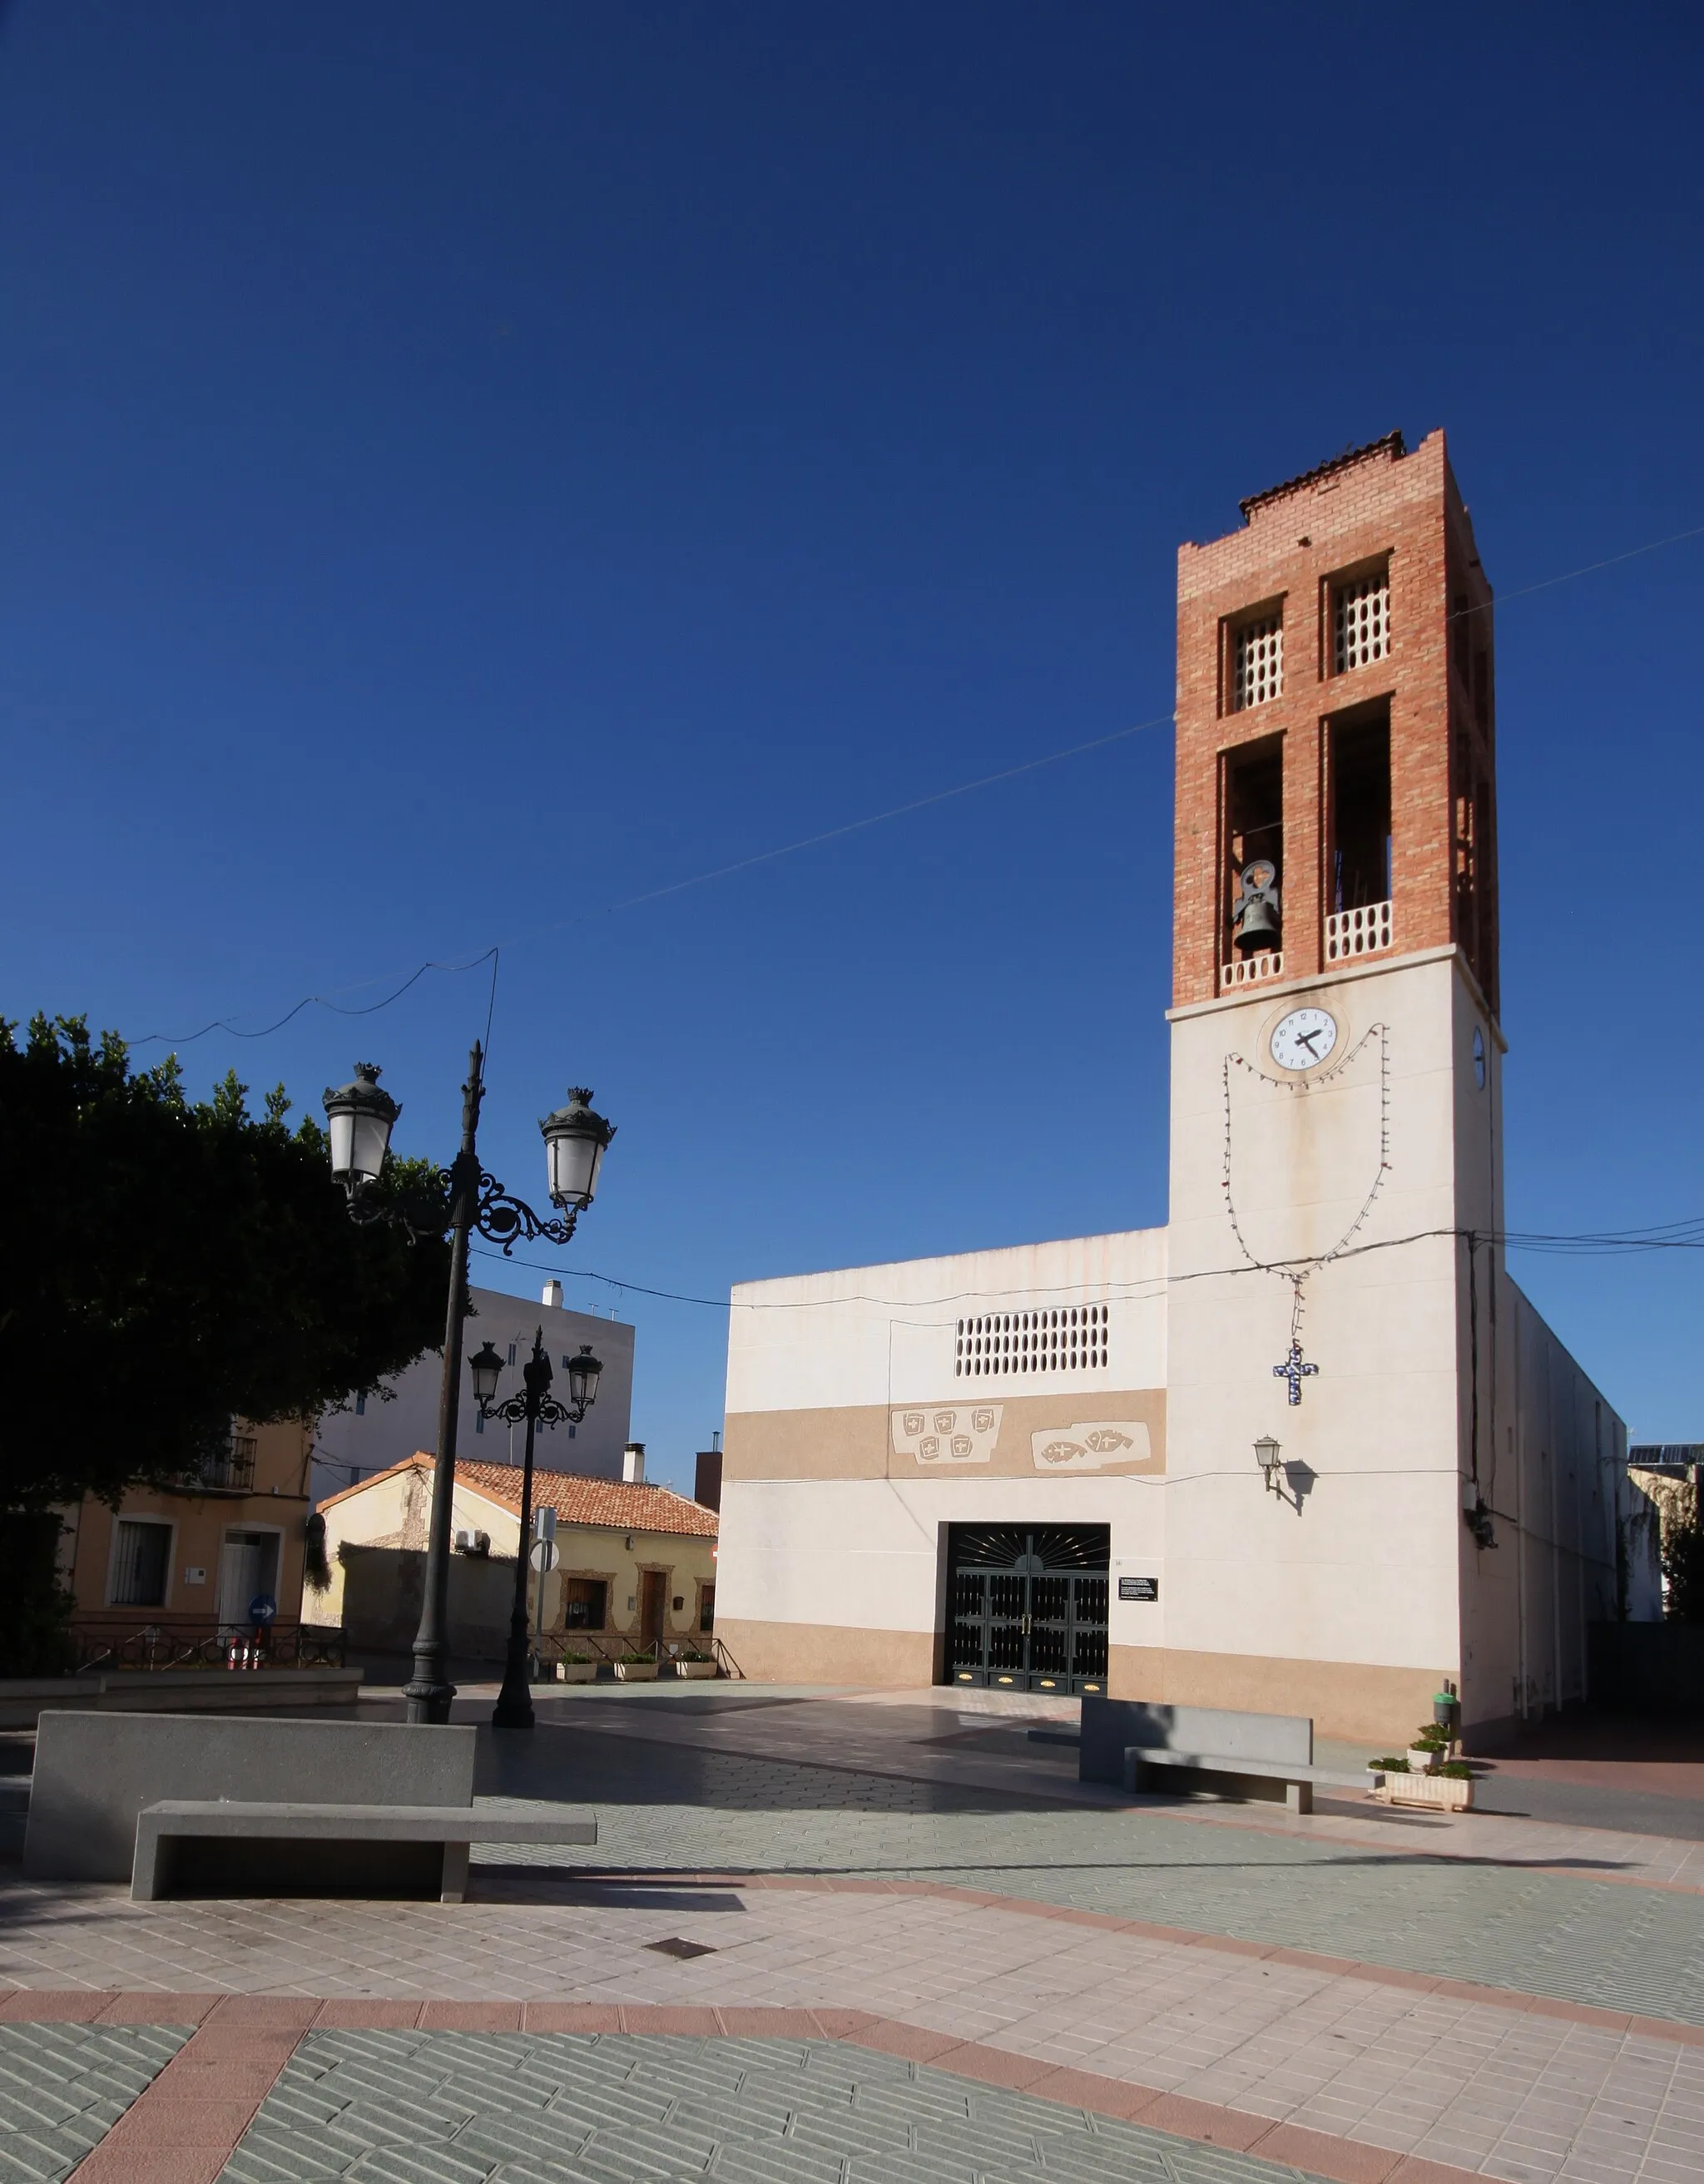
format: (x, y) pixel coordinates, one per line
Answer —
(1257, 661)
(1363, 622)
(1068, 1338)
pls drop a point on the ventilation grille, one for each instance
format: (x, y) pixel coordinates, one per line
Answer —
(1363, 622)
(1068, 1338)
(1258, 661)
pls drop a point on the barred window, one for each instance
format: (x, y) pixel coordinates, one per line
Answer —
(1257, 657)
(1066, 1338)
(139, 1562)
(1361, 619)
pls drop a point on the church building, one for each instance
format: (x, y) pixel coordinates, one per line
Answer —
(1307, 1449)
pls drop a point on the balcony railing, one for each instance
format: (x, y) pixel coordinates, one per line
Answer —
(230, 1472)
(1364, 932)
(1251, 970)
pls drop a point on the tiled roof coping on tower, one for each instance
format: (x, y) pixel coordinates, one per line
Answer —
(1391, 445)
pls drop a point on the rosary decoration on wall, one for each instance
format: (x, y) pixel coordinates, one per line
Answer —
(1295, 1368)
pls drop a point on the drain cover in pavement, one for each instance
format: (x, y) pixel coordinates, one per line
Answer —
(675, 1946)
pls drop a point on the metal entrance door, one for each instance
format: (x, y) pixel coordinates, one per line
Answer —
(1026, 1610)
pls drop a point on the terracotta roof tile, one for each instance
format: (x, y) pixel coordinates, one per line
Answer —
(1391, 445)
(577, 1500)
(360, 1486)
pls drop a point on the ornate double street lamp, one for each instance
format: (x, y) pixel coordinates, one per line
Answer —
(360, 1118)
(537, 1406)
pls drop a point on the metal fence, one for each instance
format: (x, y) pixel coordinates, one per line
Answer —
(301, 1646)
(602, 1649)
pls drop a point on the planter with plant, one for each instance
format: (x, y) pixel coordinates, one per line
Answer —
(695, 1665)
(1445, 1785)
(576, 1669)
(637, 1668)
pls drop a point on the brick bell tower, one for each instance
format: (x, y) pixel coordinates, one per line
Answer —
(1335, 1109)
(1336, 721)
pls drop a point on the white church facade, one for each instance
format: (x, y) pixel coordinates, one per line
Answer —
(1307, 1449)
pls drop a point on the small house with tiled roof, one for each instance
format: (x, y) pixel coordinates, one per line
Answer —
(636, 1562)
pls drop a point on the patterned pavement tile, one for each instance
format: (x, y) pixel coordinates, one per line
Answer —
(616, 2109)
(1537, 1933)
(667, 1809)
(64, 2086)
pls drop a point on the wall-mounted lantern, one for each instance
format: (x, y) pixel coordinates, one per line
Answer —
(1266, 1455)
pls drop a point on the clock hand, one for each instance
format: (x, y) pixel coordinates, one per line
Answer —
(1306, 1039)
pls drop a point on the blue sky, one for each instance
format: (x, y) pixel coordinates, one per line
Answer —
(466, 468)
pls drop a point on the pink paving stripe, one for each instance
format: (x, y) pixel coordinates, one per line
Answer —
(184, 2128)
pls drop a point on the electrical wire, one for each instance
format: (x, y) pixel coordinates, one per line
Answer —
(325, 1001)
(1568, 576)
(675, 886)
(826, 834)
(837, 833)
(1137, 1289)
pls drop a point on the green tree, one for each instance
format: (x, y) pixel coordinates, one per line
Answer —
(173, 1265)
(1683, 1558)
(34, 1606)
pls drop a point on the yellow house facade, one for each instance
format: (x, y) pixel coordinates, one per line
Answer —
(635, 1562)
(191, 1559)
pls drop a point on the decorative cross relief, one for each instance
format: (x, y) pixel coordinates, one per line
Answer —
(1295, 1372)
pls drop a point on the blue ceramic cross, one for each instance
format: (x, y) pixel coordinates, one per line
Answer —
(1294, 1371)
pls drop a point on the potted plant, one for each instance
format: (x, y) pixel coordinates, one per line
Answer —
(576, 1669)
(1448, 1788)
(1429, 1748)
(637, 1668)
(694, 1665)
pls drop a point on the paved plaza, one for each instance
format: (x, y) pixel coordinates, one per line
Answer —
(857, 1935)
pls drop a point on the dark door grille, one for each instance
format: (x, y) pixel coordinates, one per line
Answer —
(1026, 1610)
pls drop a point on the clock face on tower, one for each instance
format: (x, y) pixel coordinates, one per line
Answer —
(1304, 1039)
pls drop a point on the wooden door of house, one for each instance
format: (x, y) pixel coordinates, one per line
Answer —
(653, 1597)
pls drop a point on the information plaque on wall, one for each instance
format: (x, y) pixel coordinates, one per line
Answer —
(1138, 1588)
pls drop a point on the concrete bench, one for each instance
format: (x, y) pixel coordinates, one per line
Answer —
(225, 1847)
(1222, 1771)
(1214, 1750)
(96, 1773)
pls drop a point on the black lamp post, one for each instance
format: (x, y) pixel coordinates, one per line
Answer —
(537, 1406)
(360, 1119)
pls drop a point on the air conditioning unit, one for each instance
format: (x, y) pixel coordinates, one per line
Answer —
(473, 1543)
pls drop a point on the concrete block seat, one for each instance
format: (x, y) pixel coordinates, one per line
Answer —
(220, 1847)
(210, 1804)
(1211, 1750)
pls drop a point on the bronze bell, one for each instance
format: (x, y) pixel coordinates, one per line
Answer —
(1256, 922)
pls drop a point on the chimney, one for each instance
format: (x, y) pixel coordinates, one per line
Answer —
(707, 1478)
(553, 1295)
(633, 1463)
